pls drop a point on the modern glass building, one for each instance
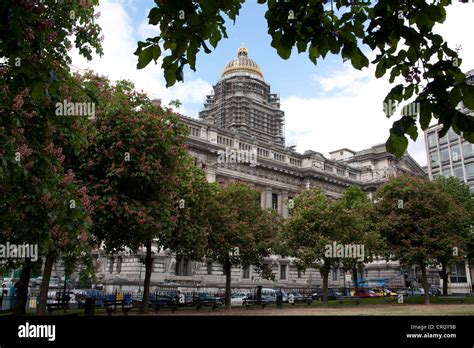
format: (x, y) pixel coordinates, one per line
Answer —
(450, 155)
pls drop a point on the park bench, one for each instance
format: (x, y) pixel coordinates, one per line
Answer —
(451, 298)
(59, 302)
(348, 299)
(112, 302)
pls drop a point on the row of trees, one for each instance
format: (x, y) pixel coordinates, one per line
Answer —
(411, 220)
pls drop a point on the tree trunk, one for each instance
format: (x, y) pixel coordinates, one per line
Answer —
(227, 268)
(444, 276)
(325, 285)
(425, 285)
(22, 288)
(146, 285)
(43, 297)
(354, 277)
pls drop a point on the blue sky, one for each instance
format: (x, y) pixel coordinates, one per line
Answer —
(327, 106)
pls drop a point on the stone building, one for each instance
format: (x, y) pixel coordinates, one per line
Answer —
(242, 116)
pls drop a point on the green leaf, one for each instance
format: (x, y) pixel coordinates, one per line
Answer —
(145, 57)
(156, 52)
(380, 69)
(425, 117)
(396, 145)
(468, 96)
(170, 75)
(215, 38)
(313, 53)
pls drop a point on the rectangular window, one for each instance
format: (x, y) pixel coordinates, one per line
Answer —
(432, 140)
(467, 149)
(447, 171)
(470, 171)
(183, 266)
(458, 173)
(119, 264)
(443, 140)
(458, 273)
(209, 268)
(111, 264)
(455, 153)
(328, 168)
(444, 156)
(434, 159)
(334, 275)
(274, 201)
(283, 272)
(246, 272)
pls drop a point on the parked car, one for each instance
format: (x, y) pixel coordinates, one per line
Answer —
(205, 299)
(299, 298)
(384, 292)
(282, 293)
(162, 300)
(237, 299)
(411, 291)
(366, 293)
(251, 298)
(435, 291)
(332, 294)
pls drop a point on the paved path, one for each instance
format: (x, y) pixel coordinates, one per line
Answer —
(434, 309)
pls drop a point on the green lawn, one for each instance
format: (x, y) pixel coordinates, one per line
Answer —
(376, 305)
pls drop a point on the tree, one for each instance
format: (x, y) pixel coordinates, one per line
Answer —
(242, 233)
(416, 218)
(140, 176)
(459, 191)
(315, 223)
(33, 77)
(359, 230)
(429, 68)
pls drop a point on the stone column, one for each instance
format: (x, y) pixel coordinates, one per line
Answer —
(284, 207)
(262, 198)
(268, 197)
(281, 203)
(210, 172)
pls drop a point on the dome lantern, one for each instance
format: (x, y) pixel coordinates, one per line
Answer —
(242, 65)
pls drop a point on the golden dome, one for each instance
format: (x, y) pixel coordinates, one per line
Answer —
(242, 64)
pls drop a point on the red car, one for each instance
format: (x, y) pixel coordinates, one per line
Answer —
(365, 293)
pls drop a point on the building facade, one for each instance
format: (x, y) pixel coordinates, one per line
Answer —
(242, 117)
(452, 155)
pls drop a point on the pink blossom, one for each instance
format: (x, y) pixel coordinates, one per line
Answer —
(25, 151)
(69, 177)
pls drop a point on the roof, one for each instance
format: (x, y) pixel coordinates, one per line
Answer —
(242, 64)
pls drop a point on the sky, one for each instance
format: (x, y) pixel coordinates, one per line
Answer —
(327, 106)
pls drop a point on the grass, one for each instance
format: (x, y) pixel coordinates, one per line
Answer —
(413, 305)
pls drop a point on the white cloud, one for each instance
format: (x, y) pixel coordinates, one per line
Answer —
(119, 62)
(351, 114)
